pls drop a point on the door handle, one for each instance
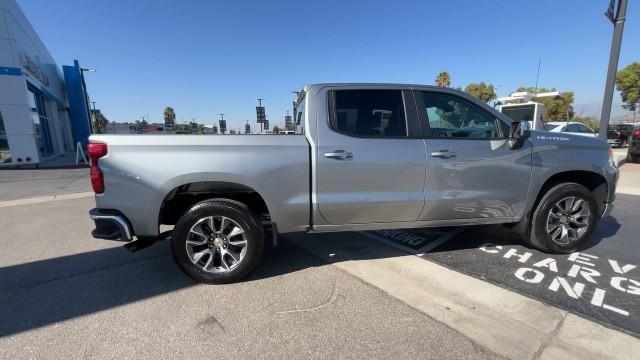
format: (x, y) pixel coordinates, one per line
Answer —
(339, 155)
(445, 154)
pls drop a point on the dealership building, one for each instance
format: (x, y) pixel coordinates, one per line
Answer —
(44, 109)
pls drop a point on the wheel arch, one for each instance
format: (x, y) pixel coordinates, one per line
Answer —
(183, 196)
(592, 180)
(595, 182)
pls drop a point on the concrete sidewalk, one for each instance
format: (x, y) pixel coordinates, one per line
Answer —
(629, 182)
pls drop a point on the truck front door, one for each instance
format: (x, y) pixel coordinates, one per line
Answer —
(472, 173)
(368, 169)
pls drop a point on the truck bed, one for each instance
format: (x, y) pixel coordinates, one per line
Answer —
(140, 171)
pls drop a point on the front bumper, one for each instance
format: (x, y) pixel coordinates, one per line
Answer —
(110, 225)
(614, 142)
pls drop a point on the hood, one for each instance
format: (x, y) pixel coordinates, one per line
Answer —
(540, 137)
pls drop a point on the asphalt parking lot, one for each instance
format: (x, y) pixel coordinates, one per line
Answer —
(601, 282)
(64, 294)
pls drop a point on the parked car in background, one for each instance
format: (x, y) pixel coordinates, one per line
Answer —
(618, 135)
(633, 152)
(570, 127)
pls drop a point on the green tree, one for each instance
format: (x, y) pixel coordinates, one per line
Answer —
(484, 92)
(628, 83)
(555, 109)
(443, 79)
(169, 116)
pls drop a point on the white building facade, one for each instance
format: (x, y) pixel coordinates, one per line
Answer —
(35, 123)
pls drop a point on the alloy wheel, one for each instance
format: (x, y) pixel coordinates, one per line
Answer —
(216, 244)
(568, 220)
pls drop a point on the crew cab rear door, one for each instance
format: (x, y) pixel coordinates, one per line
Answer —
(472, 173)
(368, 168)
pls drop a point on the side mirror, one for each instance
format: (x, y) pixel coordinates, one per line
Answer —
(517, 135)
(515, 129)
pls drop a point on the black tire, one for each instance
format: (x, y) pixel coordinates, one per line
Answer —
(538, 236)
(230, 209)
(631, 158)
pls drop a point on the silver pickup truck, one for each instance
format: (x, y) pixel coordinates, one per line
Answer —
(367, 156)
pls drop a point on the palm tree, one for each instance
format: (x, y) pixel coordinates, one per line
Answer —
(99, 123)
(443, 79)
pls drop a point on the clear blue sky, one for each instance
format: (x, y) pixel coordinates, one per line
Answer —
(209, 57)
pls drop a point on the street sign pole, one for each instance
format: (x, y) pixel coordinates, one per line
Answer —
(616, 13)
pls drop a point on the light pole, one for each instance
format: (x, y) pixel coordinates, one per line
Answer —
(222, 124)
(616, 14)
(259, 119)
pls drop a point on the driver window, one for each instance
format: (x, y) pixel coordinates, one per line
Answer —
(453, 117)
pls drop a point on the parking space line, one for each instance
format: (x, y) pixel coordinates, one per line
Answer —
(43, 199)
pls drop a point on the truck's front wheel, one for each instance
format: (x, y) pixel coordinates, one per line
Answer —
(564, 219)
(217, 241)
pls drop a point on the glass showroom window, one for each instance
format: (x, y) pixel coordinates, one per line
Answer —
(40, 123)
(5, 153)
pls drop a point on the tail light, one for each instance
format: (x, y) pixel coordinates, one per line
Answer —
(618, 134)
(636, 132)
(96, 151)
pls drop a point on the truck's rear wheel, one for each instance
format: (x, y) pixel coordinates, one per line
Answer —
(217, 241)
(564, 219)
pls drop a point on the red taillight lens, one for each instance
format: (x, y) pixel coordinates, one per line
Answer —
(636, 132)
(618, 134)
(96, 151)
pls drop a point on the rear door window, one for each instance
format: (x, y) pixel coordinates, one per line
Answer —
(369, 113)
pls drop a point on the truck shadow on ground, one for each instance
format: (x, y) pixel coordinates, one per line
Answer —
(46, 292)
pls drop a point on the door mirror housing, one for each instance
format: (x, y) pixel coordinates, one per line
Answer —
(517, 135)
